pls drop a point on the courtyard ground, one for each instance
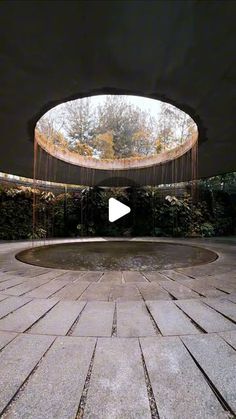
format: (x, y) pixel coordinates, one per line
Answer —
(155, 344)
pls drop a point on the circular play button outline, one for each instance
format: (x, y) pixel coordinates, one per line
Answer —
(117, 210)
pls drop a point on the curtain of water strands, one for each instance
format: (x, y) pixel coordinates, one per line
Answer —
(36, 163)
(34, 187)
(46, 167)
(42, 164)
(194, 171)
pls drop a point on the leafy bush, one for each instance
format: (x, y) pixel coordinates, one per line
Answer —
(39, 233)
(207, 229)
(85, 213)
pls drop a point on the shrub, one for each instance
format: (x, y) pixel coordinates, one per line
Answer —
(85, 213)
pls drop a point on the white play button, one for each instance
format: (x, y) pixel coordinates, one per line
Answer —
(117, 209)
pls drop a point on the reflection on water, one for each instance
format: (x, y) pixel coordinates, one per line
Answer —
(116, 255)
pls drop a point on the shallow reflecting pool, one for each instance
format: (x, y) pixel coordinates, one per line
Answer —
(116, 255)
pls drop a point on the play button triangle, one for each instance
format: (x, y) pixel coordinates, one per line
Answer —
(117, 209)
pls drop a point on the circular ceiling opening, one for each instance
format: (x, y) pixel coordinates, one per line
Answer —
(116, 132)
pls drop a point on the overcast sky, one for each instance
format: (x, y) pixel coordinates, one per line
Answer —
(150, 105)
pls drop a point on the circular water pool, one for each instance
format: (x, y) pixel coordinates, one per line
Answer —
(116, 255)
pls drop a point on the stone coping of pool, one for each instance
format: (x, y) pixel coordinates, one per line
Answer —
(223, 247)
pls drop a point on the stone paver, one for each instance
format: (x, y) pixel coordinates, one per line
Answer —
(207, 318)
(92, 276)
(11, 304)
(5, 338)
(96, 319)
(60, 319)
(17, 361)
(226, 276)
(179, 387)
(229, 337)
(178, 290)
(47, 290)
(117, 386)
(11, 282)
(170, 319)
(231, 297)
(125, 292)
(154, 276)
(218, 360)
(224, 285)
(132, 276)
(115, 277)
(30, 273)
(176, 276)
(152, 291)
(3, 297)
(33, 272)
(97, 292)
(72, 291)
(3, 277)
(51, 274)
(133, 320)
(72, 276)
(55, 389)
(224, 306)
(27, 286)
(203, 270)
(21, 319)
(201, 287)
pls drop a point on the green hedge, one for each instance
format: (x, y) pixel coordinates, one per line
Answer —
(85, 213)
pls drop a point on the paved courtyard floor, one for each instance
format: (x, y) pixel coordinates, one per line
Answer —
(116, 345)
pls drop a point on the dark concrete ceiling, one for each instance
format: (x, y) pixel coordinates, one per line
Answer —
(179, 51)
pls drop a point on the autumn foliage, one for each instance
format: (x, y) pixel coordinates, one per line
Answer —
(114, 129)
